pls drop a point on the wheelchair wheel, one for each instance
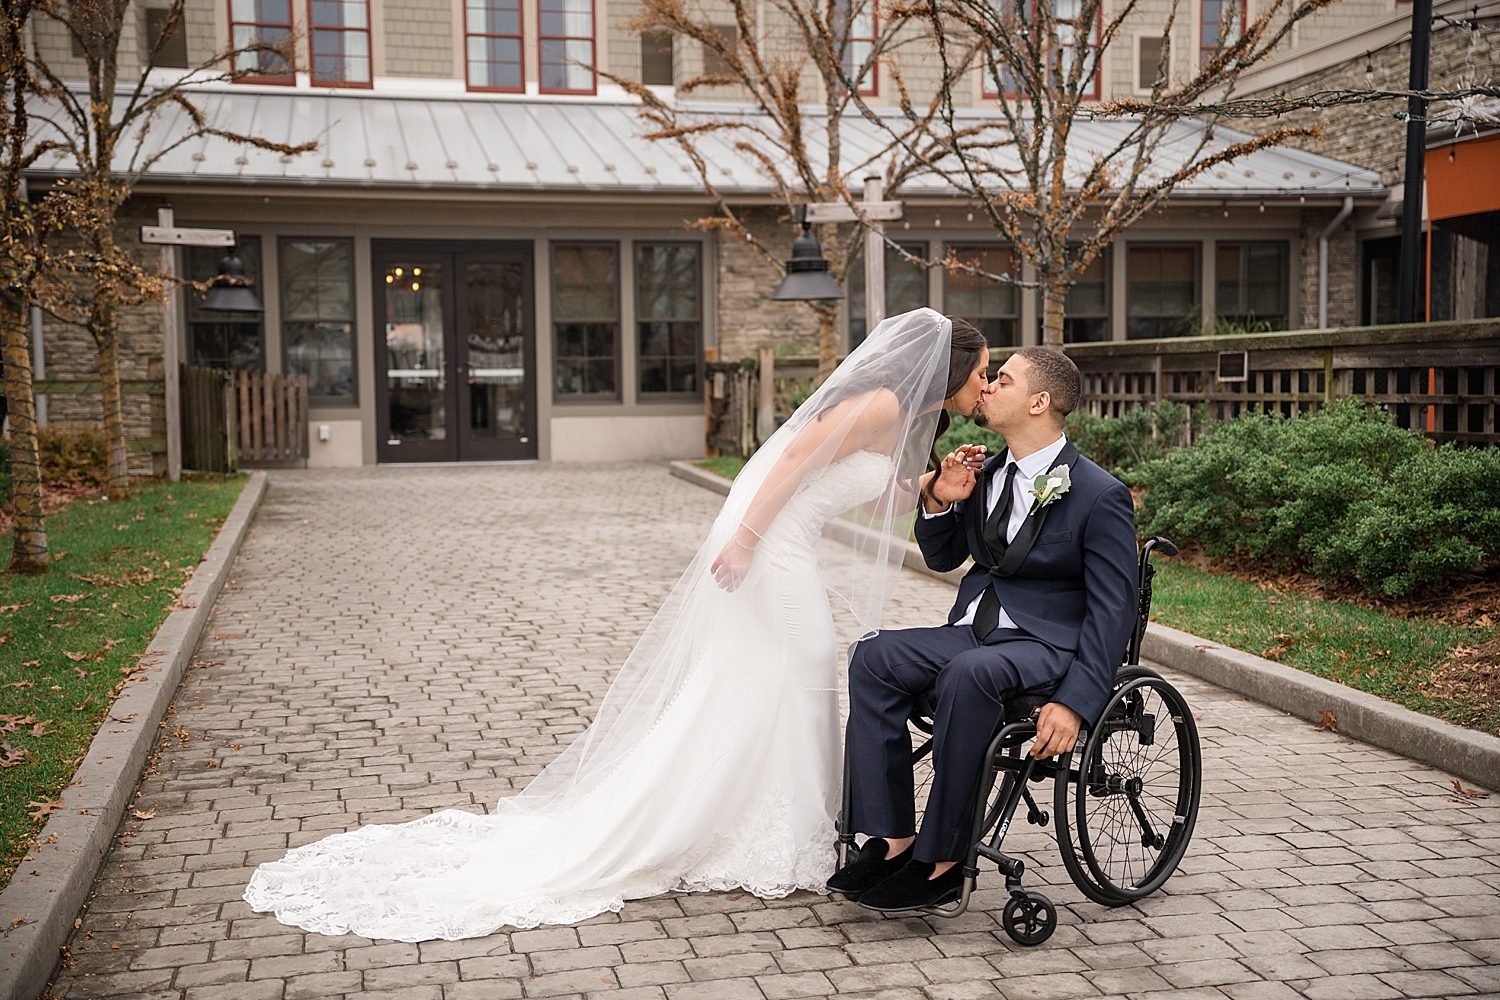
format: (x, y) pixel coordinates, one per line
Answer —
(1029, 918)
(1133, 807)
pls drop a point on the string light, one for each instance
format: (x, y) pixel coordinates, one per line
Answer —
(1262, 208)
(937, 220)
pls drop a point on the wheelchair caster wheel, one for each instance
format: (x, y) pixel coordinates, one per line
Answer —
(1029, 918)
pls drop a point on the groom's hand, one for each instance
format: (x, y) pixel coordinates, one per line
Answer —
(1057, 728)
(956, 476)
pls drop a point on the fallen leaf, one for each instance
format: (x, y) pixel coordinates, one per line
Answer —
(7, 608)
(40, 729)
(212, 763)
(70, 598)
(226, 635)
(77, 657)
(139, 517)
(1327, 720)
(11, 756)
(143, 815)
(1469, 793)
(44, 808)
(80, 706)
(82, 673)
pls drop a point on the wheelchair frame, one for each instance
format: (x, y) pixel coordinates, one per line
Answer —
(1030, 918)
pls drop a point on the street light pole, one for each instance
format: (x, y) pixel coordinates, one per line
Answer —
(1416, 155)
(167, 235)
(874, 258)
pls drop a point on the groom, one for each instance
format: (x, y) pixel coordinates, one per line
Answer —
(1047, 609)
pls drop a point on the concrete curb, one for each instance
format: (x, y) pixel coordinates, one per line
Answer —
(842, 531)
(1466, 753)
(72, 845)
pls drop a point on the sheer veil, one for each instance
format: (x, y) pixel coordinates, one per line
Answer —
(738, 786)
(888, 392)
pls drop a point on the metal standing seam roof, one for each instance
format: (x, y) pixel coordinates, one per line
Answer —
(377, 140)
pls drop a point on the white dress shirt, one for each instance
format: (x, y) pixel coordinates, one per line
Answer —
(1027, 469)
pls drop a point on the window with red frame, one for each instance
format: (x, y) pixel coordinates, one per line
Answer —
(493, 41)
(860, 32)
(340, 35)
(261, 22)
(1211, 15)
(567, 46)
(1067, 37)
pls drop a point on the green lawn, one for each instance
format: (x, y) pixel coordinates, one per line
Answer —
(727, 466)
(68, 638)
(1362, 647)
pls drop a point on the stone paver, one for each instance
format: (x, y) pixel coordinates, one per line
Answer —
(395, 641)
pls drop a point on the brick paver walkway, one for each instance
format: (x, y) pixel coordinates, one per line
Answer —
(398, 641)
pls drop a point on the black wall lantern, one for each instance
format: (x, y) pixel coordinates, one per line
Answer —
(807, 277)
(231, 289)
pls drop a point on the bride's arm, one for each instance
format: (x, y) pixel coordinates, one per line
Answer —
(840, 431)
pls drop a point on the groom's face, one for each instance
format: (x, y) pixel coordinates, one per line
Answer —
(1006, 401)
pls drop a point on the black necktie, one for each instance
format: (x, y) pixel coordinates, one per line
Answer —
(987, 615)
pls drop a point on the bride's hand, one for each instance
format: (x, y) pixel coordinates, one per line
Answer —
(956, 477)
(733, 564)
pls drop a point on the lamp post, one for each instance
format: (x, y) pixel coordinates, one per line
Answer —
(168, 236)
(874, 213)
(1410, 299)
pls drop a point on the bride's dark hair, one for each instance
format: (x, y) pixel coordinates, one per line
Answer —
(963, 355)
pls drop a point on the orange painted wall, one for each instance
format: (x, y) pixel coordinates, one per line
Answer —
(1464, 178)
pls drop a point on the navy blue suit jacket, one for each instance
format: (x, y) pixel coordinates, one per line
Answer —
(1076, 590)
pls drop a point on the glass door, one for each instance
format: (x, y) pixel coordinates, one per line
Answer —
(415, 329)
(497, 390)
(455, 342)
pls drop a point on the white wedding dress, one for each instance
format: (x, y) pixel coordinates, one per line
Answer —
(730, 782)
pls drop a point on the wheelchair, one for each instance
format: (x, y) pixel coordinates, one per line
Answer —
(1123, 806)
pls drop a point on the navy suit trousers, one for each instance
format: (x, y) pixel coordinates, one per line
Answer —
(886, 675)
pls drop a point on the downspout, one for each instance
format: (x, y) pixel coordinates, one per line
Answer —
(1323, 260)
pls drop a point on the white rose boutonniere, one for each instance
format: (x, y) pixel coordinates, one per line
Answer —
(1049, 486)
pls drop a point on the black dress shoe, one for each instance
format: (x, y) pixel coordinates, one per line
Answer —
(914, 888)
(870, 868)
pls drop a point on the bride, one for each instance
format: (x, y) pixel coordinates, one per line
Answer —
(713, 762)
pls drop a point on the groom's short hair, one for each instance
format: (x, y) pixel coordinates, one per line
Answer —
(1054, 373)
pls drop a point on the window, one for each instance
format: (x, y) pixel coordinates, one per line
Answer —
(859, 41)
(225, 339)
(714, 64)
(586, 320)
(492, 40)
(1251, 284)
(261, 22)
(172, 53)
(1148, 50)
(656, 59)
(905, 288)
(1086, 312)
(1068, 34)
(1216, 16)
(1161, 291)
(669, 317)
(567, 46)
(989, 305)
(1065, 17)
(340, 32)
(317, 314)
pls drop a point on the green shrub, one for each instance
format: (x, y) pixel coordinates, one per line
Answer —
(1342, 493)
(1120, 444)
(964, 431)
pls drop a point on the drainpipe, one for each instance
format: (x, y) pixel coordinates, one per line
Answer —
(1323, 260)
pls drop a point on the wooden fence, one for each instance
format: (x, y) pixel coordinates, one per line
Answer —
(272, 418)
(1442, 379)
(1437, 378)
(208, 412)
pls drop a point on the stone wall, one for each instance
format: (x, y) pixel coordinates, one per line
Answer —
(748, 317)
(1343, 271)
(71, 354)
(1370, 135)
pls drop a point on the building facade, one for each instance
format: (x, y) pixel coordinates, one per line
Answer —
(485, 261)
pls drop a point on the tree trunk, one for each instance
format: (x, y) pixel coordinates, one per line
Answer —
(29, 549)
(1054, 302)
(828, 339)
(106, 338)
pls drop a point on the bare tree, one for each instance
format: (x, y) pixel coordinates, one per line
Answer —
(22, 256)
(104, 127)
(793, 66)
(1059, 205)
